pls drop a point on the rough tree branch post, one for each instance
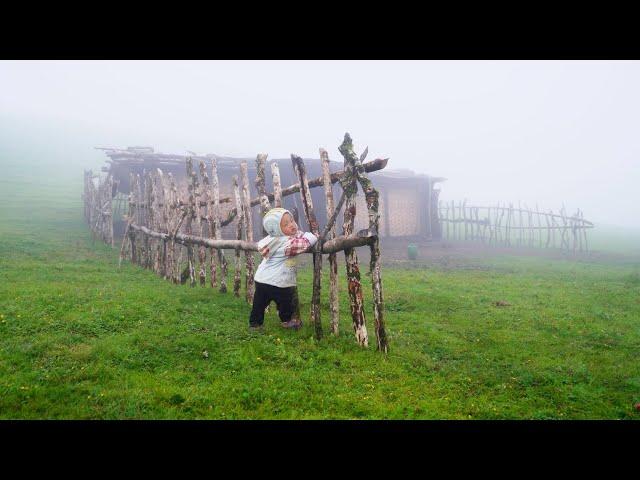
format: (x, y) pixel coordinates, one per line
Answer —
(163, 217)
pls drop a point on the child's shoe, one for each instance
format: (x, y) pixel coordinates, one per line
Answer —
(256, 328)
(295, 324)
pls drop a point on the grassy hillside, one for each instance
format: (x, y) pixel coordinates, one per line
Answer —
(81, 339)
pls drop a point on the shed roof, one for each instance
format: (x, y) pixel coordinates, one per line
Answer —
(145, 155)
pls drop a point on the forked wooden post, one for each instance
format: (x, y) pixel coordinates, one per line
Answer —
(350, 189)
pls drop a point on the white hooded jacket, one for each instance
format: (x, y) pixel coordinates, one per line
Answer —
(278, 266)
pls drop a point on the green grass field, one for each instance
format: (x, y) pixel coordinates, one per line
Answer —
(80, 339)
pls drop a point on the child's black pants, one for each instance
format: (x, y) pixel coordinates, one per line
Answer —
(263, 295)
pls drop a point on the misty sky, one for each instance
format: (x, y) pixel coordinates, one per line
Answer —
(541, 132)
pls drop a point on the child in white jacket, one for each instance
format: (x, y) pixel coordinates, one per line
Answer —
(275, 278)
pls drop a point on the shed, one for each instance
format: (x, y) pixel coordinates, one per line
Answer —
(408, 201)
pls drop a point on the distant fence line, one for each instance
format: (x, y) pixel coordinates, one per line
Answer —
(503, 225)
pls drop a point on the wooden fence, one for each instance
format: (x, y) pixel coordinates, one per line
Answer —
(514, 226)
(172, 230)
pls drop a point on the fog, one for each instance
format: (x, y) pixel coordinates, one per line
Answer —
(540, 132)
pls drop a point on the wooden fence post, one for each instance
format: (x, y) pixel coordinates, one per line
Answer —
(202, 192)
(239, 230)
(350, 189)
(307, 203)
(333, 261)
(248, 224)
(208, 197)
(372, 199)
(192, 185)
(217, 226)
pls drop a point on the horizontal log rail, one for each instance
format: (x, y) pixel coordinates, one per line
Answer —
(359, 239)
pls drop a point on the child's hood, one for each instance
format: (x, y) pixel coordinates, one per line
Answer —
(272, 219)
